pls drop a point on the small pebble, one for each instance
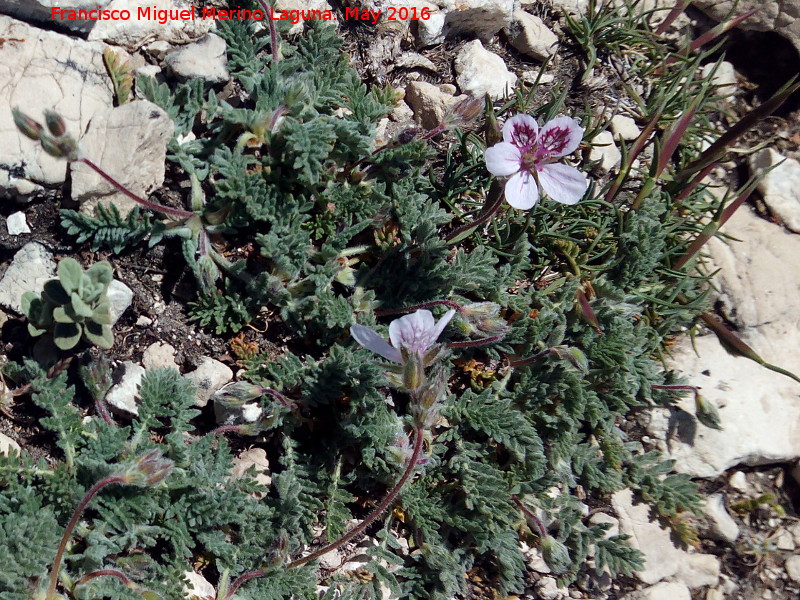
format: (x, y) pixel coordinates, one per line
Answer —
(17, 224)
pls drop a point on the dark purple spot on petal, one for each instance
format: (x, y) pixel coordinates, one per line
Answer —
(523, 135)
(554, 140)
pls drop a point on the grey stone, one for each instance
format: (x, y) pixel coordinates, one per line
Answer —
(600, 517)
(17, 224)
(624, 128)
(123, 395)
(8, 444)
(672, 590)
(738, 481)
(133, 33)
(209, 376)
(255, 458)
(120, 297)
(41, 11)
(780, 16)
(429, 103)
(481, 18)
(721, 525)
(35, 76)
(480, 72)
(724, 78)
(205, 59)
(547, 589)
(792, 566)
(33, 265)
(780, 187)
(128, 142)
(699, 570)
(159, 354)
(196, 587)
(528, 34)
(605, 151)
(429, 31)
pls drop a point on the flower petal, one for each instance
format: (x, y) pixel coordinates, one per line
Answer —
(521, 191)
(370, 340)
(413, 332)
(437, 331)
(521, 130)
(503, 159)
(561, 136)
(563, 183)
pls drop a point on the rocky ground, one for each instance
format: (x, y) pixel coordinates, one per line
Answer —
(749, 542)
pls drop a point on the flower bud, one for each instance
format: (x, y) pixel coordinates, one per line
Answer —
(63, 147)
(484, 318)
(465, 111)
(27, 126)
(55, 123)
(573, 356)
(555, 554)
(706, 412)
(148, 469)
(413, 370)
(407, 136)
(238, 394)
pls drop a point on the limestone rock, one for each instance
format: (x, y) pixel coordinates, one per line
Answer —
(781, 16)
(605, 151)
(662, 558)
(780, 188)
(41, 11)
(600, 517)
(301, 5)
(699, 570)
(123, 395)
(205, 58)
(130, 143)
(8, 444)
(480, 72)
(481, 18)
(547, 589)
(159, 354)
(16, 223)
(197, 587)
(570, 7)
(624, 128)
(792, 566)
(672, 590)
(428, 32)
(133, 33)
(32, 266)
(528, 34)
(255, 458)
(429, 103)
(209, 376)
(120, 297)
(34, 76)
(724, 78)
(721, 525)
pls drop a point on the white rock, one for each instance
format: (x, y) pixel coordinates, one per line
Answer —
(547, 589)
(537, 562)
(354, 563)
(159, 354)
(123, 395)
(144, 321)
(32, 266)
(785, 541)
(16, 223)
(528, 34)
(605, 150)
(780, 187)
(35, 76)
(721, 525)
(130, 143)
(285, 5)
(571, 7)
(672, 590)
(600, 517)
(429, 103)
(197, 587)
(331, 560)
(41, 11)
(257, 459)
(699, 570)
(724, 78)
(781, 17)
(738, 481)
(149, 71)
(133, 33)
(209, 376)
(414, 60)
(402, 113)
(158, 49)
(480, 72)
(792, 566)
(7, 444)
(662, 558)
(205, 58)
(481, 18)
(120, 297)
(624, 128)
(429, 32)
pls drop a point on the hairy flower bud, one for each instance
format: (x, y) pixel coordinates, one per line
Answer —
(413, 370)
(62, 147)
(55, 123)
(27, 126)
(483, 318)
(555, 554)
(238, 393)
(465, 111)
(573, 356)
(148, 469)
(706, 412)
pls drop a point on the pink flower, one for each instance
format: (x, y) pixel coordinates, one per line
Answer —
(416, 333)
(529, 154)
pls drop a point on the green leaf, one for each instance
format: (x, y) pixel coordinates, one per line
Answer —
(66, 335)
(70, 274)
(98, 334)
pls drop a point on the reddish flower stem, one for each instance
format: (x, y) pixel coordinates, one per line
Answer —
(155, 206)
(104, 573)
(51, 589)
(273, 32)
(355, 531)
(529, 514)
(480, 342)
(495, 200)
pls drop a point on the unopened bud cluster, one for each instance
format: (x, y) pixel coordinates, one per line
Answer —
(148, 469)
(55, 140)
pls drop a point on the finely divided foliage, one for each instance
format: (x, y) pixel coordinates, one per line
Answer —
(505, 410)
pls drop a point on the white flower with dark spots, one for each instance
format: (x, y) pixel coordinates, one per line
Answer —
(529, 155)
(416, 333)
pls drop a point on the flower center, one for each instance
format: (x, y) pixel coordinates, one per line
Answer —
(534, 158)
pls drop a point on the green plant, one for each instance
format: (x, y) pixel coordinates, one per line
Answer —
(72, 307)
